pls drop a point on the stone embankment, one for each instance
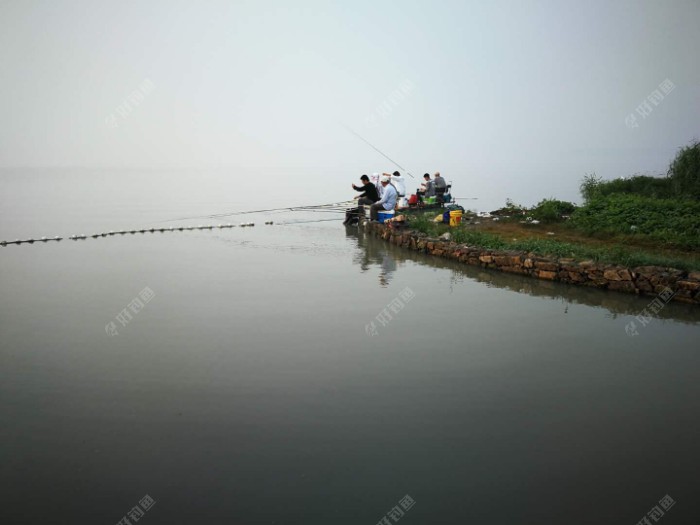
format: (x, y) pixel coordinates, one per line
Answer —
(645, 280)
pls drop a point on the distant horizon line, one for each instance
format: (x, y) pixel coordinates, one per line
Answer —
(201, 167)
(72, 166)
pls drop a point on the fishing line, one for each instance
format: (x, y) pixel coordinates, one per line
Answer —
(306, 222)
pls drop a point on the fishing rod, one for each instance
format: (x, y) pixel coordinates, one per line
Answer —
(376, 149)
(319, 210)
(306, 222)
(269, 210)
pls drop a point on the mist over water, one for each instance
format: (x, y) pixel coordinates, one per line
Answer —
(304, 372)
(249, 388)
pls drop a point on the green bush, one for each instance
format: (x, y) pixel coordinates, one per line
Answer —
(671, 222)
(644, 185)
(590, 187)
(552, 210)
(684, 172)
(511, 208)
(682, 180)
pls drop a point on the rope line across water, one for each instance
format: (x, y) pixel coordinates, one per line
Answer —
(153, 230)
(334, 207)
(124, 232)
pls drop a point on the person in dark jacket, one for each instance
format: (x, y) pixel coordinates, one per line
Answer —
(368, 196)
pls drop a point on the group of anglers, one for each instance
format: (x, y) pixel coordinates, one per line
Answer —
(385, 195)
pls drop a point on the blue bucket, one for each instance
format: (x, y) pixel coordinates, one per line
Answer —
(384, 215)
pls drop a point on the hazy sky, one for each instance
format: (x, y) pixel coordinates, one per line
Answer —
(516, 98)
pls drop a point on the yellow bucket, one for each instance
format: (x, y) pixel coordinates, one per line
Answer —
(455, 217)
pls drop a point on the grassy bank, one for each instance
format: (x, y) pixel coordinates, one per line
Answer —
(500, 236)
(673, 223)
(635, 221)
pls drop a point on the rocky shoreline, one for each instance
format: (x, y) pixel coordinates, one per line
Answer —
(642, 280)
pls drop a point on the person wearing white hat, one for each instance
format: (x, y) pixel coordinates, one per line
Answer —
(388, 200)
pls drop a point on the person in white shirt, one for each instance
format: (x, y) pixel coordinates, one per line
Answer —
(399, 183)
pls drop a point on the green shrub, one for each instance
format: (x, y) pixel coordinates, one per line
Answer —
(511, 208)
(644, 185)
(590, 187)
(684, 172)
(552, 210)
(671, 222)
(682, 180)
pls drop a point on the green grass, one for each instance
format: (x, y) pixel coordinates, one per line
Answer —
(666, 222)
(609, 254)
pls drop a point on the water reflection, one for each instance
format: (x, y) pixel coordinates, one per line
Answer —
(371, 252)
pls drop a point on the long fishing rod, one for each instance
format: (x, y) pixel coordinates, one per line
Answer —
(306, 222)
(223, 215)
(288, 208)
(376, 149)
(319, 210)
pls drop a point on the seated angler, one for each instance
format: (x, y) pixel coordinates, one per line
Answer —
(440, 186)
(427, 187)
(388, 200)
(369, 196)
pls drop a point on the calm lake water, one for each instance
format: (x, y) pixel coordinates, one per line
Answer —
(250, 388)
